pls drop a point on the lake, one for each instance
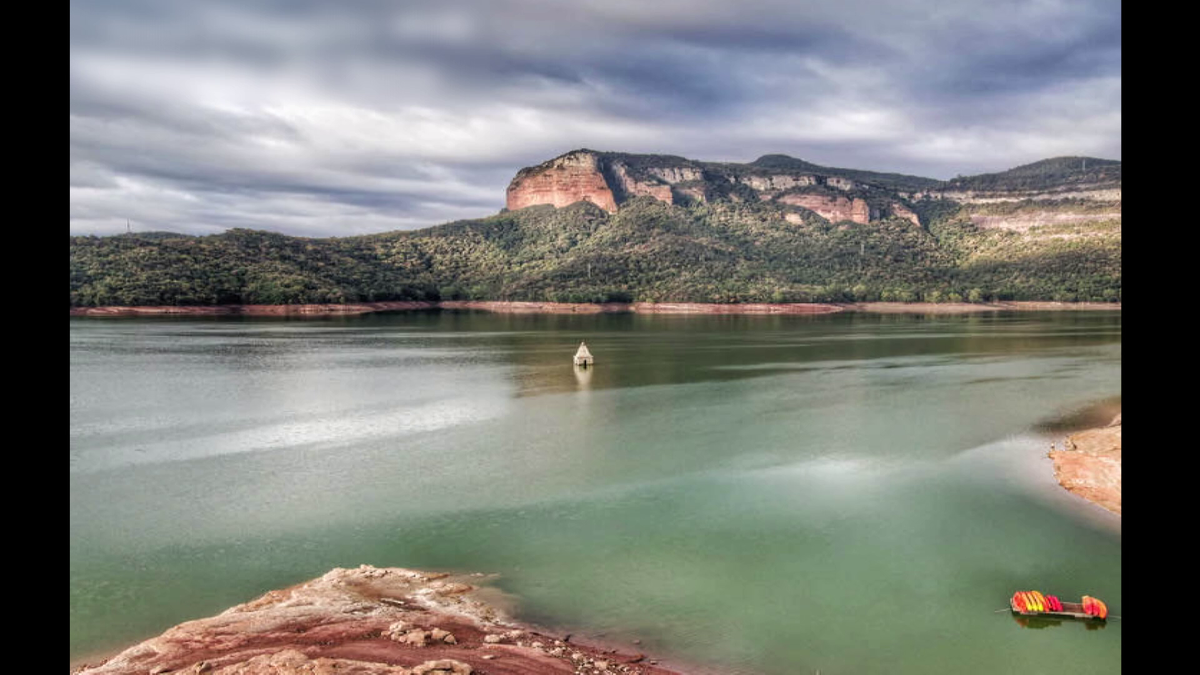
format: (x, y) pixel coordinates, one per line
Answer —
(848, 493)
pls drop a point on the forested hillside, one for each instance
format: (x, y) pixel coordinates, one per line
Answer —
(648, 250)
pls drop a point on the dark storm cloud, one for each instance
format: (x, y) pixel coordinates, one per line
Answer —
(341, 118)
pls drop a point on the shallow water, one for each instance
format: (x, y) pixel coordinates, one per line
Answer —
(845, 493)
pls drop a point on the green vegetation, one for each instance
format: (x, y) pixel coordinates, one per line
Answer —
(1048, 173)
(890, 181)
(647, 251)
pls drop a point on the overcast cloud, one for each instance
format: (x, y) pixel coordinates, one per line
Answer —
(340, 118)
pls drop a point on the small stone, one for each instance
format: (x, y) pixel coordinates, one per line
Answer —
(602, 665)
(576, 656)
(514, 634)
(488, 657)
(557, 651)
(493, 639)
(442, 667)
(536, 645)
(449, 588)
(416, 637)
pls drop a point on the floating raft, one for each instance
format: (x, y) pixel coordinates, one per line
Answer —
(1033, 603)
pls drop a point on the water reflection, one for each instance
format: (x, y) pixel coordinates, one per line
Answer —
(1039, 622)
(667, 350)
(583, 377)
(767, 493)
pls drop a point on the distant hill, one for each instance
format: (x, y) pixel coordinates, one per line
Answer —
(591, 227)
(1048, 174)
(893, 181)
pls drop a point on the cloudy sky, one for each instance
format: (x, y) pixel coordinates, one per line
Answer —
(339, 118)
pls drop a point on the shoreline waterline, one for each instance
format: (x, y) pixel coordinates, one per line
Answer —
(521, 307)
(372, 620)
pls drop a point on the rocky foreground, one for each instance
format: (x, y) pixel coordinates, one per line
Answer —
(367, 621)
(1089, 465)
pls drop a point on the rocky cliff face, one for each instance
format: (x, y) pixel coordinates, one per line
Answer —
(901, 211)
(833, 209)
(629, 186)
(609, 179)
(575, 176)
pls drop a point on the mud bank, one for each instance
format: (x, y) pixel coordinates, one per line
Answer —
(592, 308)
(1089, 465)
(370, 621)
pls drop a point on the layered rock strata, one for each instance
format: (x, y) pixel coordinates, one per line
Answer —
(367, 621)
(609, 179)
(575, 176)
(833, 209)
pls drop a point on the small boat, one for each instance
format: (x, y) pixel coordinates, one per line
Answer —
(1033, 603)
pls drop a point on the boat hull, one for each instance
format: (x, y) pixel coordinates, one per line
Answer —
(1070, 610)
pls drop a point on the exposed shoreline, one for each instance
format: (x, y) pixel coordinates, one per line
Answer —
(1089, 465)
(800, 308)
(371, 621)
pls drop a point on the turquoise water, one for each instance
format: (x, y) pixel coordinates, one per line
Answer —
(845, 493)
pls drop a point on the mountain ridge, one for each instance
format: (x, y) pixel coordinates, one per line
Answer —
(616, 227)
(609, 179)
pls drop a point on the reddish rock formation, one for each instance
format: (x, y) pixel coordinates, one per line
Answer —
(677, 174)
(774, 183)
(255, 310)
(515, 307)
(506, 307)
(367, 621)
(608, 180)
(1089, 465)
(726, 308)
(632, 187)
(833, 209)
(901, 211)
(575, 176)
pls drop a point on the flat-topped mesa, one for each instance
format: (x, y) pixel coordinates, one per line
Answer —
(573, 177)
(603, 179)
(609, 179)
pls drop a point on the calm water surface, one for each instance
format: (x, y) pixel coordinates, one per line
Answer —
(846, 493)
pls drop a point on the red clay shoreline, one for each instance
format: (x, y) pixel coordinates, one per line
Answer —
(374, 621)
(593, 308)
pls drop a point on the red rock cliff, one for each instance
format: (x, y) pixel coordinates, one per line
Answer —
(575, 176)
(633, 187)
(832, 208)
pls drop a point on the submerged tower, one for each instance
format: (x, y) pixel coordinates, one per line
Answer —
(583, 357)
